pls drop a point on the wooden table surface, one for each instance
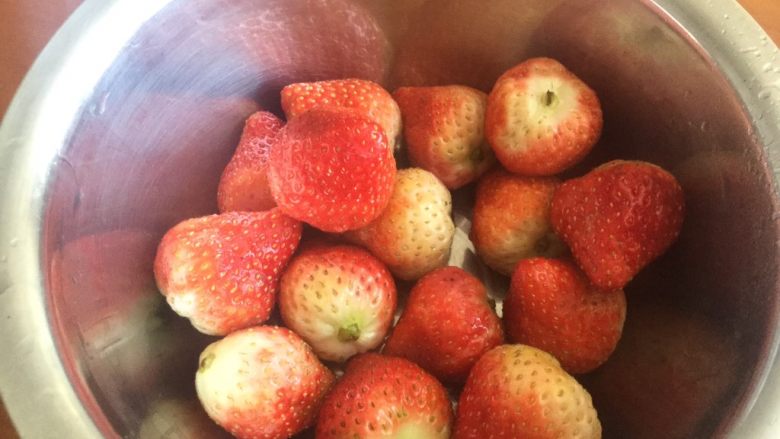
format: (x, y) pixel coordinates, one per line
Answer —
(26, 25)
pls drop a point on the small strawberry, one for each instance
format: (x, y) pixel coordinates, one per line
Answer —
(618, 218)
(517, 391)
(331, 169)
(443, 129)
(381, 396)
(511, 219)
(262, 383)
(244, 182)
(552, 306)
(340, 299)
(414, 233)
(541, 119)
(367, 98)
(447, 325)
(221, 271)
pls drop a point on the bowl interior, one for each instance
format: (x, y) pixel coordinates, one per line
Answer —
(152, 141)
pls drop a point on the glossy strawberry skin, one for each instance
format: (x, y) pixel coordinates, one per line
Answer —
(244, 182)
(511, 219)
(222, 271)
(518, 391)
(364, 97)
(541, 119)
(331, 169)
(382, 396)
(444, 131)
(552, 306)
(262, 383)
(447, 325)
(618, 218)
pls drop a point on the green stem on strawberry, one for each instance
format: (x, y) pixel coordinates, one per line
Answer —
(350, 332)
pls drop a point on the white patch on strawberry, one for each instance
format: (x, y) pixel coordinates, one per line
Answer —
(340, 299)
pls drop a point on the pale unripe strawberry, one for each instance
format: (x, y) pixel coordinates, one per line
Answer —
(413, 235)
(262, 383)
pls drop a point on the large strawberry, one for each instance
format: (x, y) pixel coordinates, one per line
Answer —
(364, 97)
(381, 396)
(447, 325)
(618, 218)
(517, 391)
(443, 129)
(331, 169)
(541, 118)
(414, 233)
(262, 383)
(340, 299)
(512, 219)
(551, 305)
(244, 182)
(222, 271)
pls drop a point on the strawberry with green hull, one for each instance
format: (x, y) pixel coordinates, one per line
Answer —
(413, 235)
(262, 383)
(331, 169)
(618, 218)
(340, 299)
(364, 97)
(444, 131)
(385, 397)
(447, 325)
(552, 306)
(541, 119)
(511, 219)
(244, 182)
(517, 391)
(222, 271)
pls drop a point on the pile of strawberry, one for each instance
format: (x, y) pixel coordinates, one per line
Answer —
(570, 247)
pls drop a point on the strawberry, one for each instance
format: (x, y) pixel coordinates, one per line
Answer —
(244, 182)
(552, 306)
(541, 119)
(447, 325)
(221, 271)
(340, 299)
(262, 383)
(618, 218)
(367, 98)
(381, 396)
(414, 233)
(511, 219)
(518, 391)
(331, 169)
(443, 129)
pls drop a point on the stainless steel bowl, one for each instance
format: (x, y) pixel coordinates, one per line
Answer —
(123, 126)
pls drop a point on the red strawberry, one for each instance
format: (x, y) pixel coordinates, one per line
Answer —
(447, 325)
(244, 182)
(367, 98)
(618, 218)
(381, 396)
(331, 169)
(541, 119)
(221, 271)
(443, 129)
(517, 391)
(512, 219)
(262, 383)
(414, 233)
(340, 299)
(552, 306)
